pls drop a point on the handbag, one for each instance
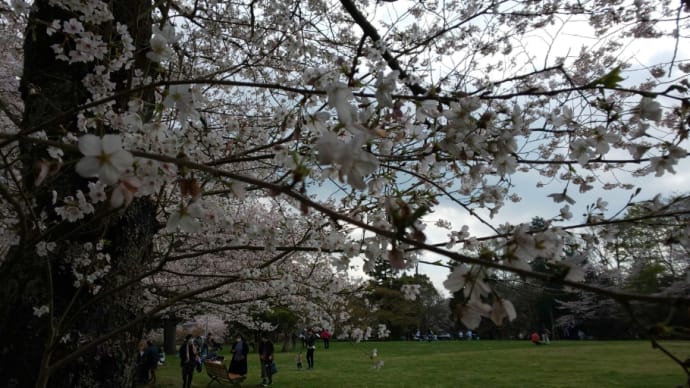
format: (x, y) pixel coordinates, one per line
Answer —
(274, 370)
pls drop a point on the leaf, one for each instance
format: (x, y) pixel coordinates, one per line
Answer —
(611, 79)
(418, 213)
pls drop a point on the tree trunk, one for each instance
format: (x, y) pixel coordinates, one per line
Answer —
(169, 333)
(32, 345)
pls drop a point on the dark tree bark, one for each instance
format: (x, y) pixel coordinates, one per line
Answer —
(169, 332)
(32, 346)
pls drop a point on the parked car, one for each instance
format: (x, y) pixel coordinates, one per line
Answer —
(445, 336)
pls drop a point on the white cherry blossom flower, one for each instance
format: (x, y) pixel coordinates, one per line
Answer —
(123, 193)
(186, 218)
(70, 211)
(649, 109)
(42, 248)
(565, 212)
(97, 191)
(662, 164)
(601, 205)
(502, 308)
(560, 197)
(601, 140)
(576, 273)
(72, 26)
(103, 158)
(354, 162)
(427, 108)
(456, 280)
(410, 291)
(385, 85)
(580, 151)
(505, 164)
(339, 96)
(20, 6)
(41, 311)
(160, 49)
(471, 313)
(181, 97)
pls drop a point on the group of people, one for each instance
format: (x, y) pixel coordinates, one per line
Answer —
(543, 340)
(191, 359)
(193, 351)
(238, 362)
(309, 338)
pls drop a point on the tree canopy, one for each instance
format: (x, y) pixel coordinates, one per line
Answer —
(168, 157)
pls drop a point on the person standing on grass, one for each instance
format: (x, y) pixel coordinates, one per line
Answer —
(298, 360)
(266, 358)
(151, 358)
(188, 358)
(311, 347)
(326, 336)
(142, 370)
(238, 362)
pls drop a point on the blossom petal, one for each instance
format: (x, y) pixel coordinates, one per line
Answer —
(173, 221)
(111, 144)
(87, 167)
(195, 210)
(109, 174)
(122, 160)
(189, 224)
(90, 145)
(117, 198)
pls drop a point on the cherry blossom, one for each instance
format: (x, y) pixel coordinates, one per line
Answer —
(501, 309)
(283, 130)
(186, 218)
(649, 109)
(103, 158)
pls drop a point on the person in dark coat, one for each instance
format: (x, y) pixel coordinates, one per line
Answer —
(151, 358)
(311, 348)
(266, 357)
(188, 359)
(238, 362)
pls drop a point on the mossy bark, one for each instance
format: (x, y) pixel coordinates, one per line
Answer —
(31, 346)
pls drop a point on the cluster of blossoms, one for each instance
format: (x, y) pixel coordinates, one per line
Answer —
(461, 146)
(89, 266)
(410, 291)
(92, 12)
(74, 209)
(87, 45)
(161, 43)
(357, 334)
(472, 281)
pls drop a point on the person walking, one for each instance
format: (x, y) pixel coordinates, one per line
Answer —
(238, 362)
(266, 357)
(188, 359)
(311, 347)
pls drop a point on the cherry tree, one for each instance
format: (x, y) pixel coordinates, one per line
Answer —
(230, 155)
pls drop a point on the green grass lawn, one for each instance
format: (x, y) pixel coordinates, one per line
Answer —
(454, 364)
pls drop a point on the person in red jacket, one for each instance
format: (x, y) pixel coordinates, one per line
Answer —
(535, 338)
(326, 337)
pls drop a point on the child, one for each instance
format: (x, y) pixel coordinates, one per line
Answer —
(298, 359)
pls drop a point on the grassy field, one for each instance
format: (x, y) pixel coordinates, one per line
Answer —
(452, 364)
